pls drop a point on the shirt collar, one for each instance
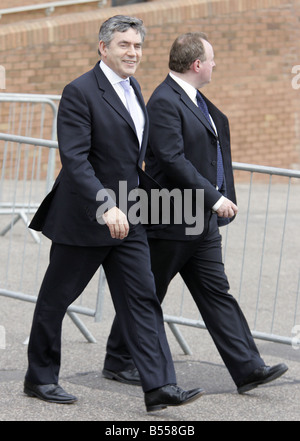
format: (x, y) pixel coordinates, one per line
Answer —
(112, 77)
(188, 88)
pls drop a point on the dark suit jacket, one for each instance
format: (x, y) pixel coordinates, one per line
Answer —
(182, 150)
(99, 148)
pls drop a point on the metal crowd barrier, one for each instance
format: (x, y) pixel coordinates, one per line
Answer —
(26, 115)
(261, 257)
(261, 251)
(21, 192)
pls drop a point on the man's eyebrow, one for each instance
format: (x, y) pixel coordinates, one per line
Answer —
(129, 42)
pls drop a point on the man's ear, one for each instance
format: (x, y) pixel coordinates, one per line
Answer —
(101, 47)
(196, 66)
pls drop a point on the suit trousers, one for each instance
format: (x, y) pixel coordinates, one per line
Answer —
(138, 311)
(199, 262)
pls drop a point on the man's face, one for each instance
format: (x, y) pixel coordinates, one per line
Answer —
(123, 55)
(207, 65)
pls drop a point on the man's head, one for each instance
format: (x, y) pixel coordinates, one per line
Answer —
(192, 55)
(120, 44)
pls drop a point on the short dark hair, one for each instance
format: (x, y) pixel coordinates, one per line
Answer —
(185, 50)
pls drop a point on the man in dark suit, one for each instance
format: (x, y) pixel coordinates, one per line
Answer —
(102, 147)
(189, 148)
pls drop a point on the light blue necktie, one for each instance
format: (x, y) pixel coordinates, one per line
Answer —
(132, 107)
(220, 170)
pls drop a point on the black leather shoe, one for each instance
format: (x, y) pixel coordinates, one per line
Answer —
(262, 375)
(128, 377)
(170, 395)
(52, 393)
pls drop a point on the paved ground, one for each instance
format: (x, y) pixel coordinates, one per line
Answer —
(105, 400)
(110, 402)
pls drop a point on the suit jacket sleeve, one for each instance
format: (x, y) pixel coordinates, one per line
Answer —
(167, 143)
(74, 132)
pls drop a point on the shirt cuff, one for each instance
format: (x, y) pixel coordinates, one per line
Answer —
(218, 204)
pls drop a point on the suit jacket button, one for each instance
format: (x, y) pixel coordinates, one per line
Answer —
(213, 162)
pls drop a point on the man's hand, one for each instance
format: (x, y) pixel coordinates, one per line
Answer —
(117, 223)
(227, 209)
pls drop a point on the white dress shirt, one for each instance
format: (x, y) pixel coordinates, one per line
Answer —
(115, 80)
(192, 94)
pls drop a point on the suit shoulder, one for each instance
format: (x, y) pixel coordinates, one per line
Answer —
(163, 93)
(162, 88)
(81, 80)
(78, 94)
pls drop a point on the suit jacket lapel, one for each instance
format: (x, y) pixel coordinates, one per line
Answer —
(189, 103)
(110, 96)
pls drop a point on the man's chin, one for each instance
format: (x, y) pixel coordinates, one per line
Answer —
(130, 69)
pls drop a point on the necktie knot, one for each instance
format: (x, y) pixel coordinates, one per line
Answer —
(126, 85)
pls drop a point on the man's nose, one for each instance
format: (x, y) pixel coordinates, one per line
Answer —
(131, 50)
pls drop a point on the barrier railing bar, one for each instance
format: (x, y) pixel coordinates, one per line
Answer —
(297, 298)
(236, 165)
(17, 96)
(16, 210)
(71, 311)
(262, 251)
(49, 7)
(100, 296)
(179, 337)
(280, 255)
(245, 235)
(29, 140)
(38, 99)
(256, 334)
(28, 98)
(265, 169)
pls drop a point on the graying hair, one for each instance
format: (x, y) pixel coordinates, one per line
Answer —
(120, 23)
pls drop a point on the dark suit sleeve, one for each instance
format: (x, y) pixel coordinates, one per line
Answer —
(74, 140)
(166, 141)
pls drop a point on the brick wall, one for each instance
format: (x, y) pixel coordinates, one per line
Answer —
(256, 45)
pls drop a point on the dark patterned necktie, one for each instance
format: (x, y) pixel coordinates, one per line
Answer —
(220, 170)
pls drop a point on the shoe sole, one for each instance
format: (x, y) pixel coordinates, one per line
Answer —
(164, 406)
(115, 377)
(255, 384)
(33, 394)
